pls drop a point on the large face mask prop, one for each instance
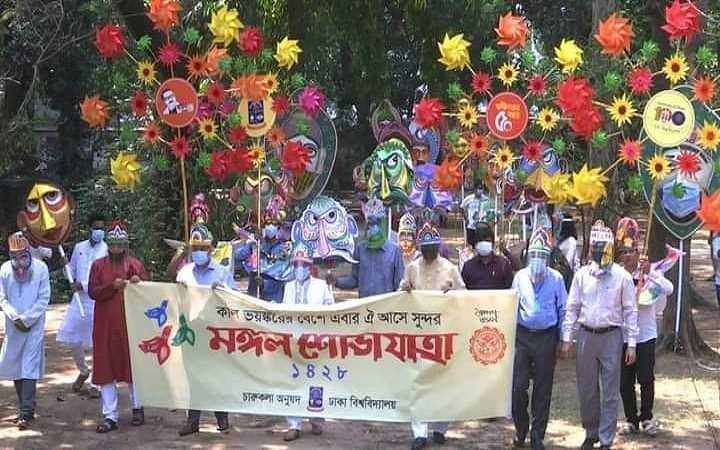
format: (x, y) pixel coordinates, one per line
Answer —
(425, 192)
(319, 137)
(244, 194)
(387, 123)
(389, 172)
(426, 144)
(327, 229)
(537, 171)
(48, 214)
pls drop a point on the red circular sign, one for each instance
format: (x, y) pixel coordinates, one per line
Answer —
(507, 116)
(176, 102)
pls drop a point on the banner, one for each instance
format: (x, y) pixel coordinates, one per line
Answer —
(396, 357)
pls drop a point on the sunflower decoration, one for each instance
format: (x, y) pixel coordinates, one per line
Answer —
(230, 106)
(547, 119)
(503, 158)
(467, 115)
(708, 136)
(622, 110)
(676, 68)
(508, 74)
(658, 167)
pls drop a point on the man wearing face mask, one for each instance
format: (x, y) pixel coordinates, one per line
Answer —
(601, 309)
(380, 264)
(541, 310)
(111, 352)
(487, 270)
(271, 247)
(203, 271)
(24, 296)
(435, 273)
(76, 329)
(305, 290)
(476, 208)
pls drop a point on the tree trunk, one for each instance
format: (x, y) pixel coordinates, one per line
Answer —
(688, 338)
(600, 10)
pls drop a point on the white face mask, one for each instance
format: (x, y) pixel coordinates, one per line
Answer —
(484, 248)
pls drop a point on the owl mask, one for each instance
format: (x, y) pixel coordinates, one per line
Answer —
(327, 229)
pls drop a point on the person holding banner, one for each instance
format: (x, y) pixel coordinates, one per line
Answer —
(77, 326)
(435, 273)
(24, 297)
(375, 253)
(111, 353)
(487, 270)
(541, 311)
(203, 271)
(601, 309)
(305, 290)
(656, 290)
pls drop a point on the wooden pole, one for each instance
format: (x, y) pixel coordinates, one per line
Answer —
(258, 276)
(183, 176)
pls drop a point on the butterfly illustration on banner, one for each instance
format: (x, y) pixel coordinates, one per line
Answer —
(158, 345)
(184, 333)
(158, 313)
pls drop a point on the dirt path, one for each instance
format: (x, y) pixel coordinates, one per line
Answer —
(68, 420)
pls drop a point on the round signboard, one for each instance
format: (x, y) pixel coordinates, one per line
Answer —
(507, 116)
(176, 102)
(257, 116)
(669, 118)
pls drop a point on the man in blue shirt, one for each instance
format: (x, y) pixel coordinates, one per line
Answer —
(540, 312)
(203, 271)
(380, 265)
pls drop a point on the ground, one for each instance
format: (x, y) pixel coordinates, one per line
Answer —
(687, 408)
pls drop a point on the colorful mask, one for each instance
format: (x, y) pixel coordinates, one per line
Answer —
(47, 215)
(627, 234)
(376, 221)
(200, 236)
(425, 192)
(117, 233)
(428, 235)
(327, 229)
(319, 137)
(537, 171)
(389, 172)
(199, 209)
(386, 124)
(406, 234)
(244, 194)
(426, 144)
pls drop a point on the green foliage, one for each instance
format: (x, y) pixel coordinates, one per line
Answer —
(635, 184)
(192, 36)
(649, 51)
(144, 43)
(559, 145)
(706, 58)
(600, 139)
(452, 136)
(612, 81)
(488, 55)
(454, 91)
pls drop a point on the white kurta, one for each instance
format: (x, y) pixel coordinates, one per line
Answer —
(76, 329)
(22, 354)
(313, 291)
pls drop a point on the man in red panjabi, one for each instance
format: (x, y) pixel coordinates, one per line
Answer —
(111, 352)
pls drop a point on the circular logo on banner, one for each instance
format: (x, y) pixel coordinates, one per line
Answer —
(176, 102)
(507, 116)
(669, 118)
(487, 345)
(257, 116)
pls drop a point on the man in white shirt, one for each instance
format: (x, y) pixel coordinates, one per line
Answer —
(24, 297)
(652, 298)
(435, 273)
(305, 289)
(76, 328)
(203, 271)
(601, 308)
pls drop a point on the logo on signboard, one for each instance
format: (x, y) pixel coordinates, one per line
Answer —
(488, 345)
(315, 399)
(176, 102)
(669, 118)
(507, 116)
(257, 116)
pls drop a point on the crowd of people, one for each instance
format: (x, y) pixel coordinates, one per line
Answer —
(565, 308)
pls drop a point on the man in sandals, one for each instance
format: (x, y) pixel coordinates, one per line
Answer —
(111, 353)
(76, 328)
(203, 271)
(24, 296)
(305, 289)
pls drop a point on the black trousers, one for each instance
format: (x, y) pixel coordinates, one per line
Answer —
(25, 390)
(534, 353)
(194, 415)
(642, 372)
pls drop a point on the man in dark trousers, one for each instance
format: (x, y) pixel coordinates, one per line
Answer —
(541, 310)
